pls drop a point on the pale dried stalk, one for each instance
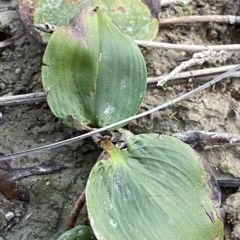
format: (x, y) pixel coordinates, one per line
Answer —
(197, 19)
(199, 79)
(195, 73)
(197, 59)
(168, 2)
(187, 47)
(125, 121)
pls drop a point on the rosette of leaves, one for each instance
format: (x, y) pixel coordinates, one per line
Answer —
(93, 73)
(133, 17)
(157, 188)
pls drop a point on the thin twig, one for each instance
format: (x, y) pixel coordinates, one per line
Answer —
(32, 98)
(188, 47)
(198, 79)
(197, 59)
(226, 145)
(29, 98)
(124, 121)
(214, 140)
(194, 73)
(197, 19)
(229, 183)
(10, 41)
(82, 198)
(11, 8)
(76, 210)
(168, 2)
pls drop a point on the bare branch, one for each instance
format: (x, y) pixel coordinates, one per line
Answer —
(76, 210)
(209, 139)
(199, 19)
(194, 73)
(186, 47)
(10, 41)
(197, 59)
(23, 99)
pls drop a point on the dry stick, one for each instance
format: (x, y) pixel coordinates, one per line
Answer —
(229, 183)
(193, 73)
(188, 47)
(168, 2)
(222, 146)
(125, 121)
(10, 41)
(76, 210)
(197, 59)
(81, 199)
(214, 140)
(199, 79)
(23, 99)
(32, 98)
(196, 19)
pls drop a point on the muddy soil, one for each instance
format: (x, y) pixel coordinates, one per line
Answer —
(28, 126)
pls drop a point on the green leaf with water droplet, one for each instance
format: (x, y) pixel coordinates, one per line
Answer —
(94, 72)
(157, 188)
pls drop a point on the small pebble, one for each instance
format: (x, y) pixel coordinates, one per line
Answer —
(19, 55)
(4, 223)
(17, 71)
(158, 72)
(18, 214)
(200, 3)
(9, 216)
(3, 86)
(212, 35)
(55, 207)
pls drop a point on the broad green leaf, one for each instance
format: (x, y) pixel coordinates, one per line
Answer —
(80, 232)
(158, 188)
(133, 17)
(93, 72)
(55, 12)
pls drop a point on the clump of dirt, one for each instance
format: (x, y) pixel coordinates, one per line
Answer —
(23, 127)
